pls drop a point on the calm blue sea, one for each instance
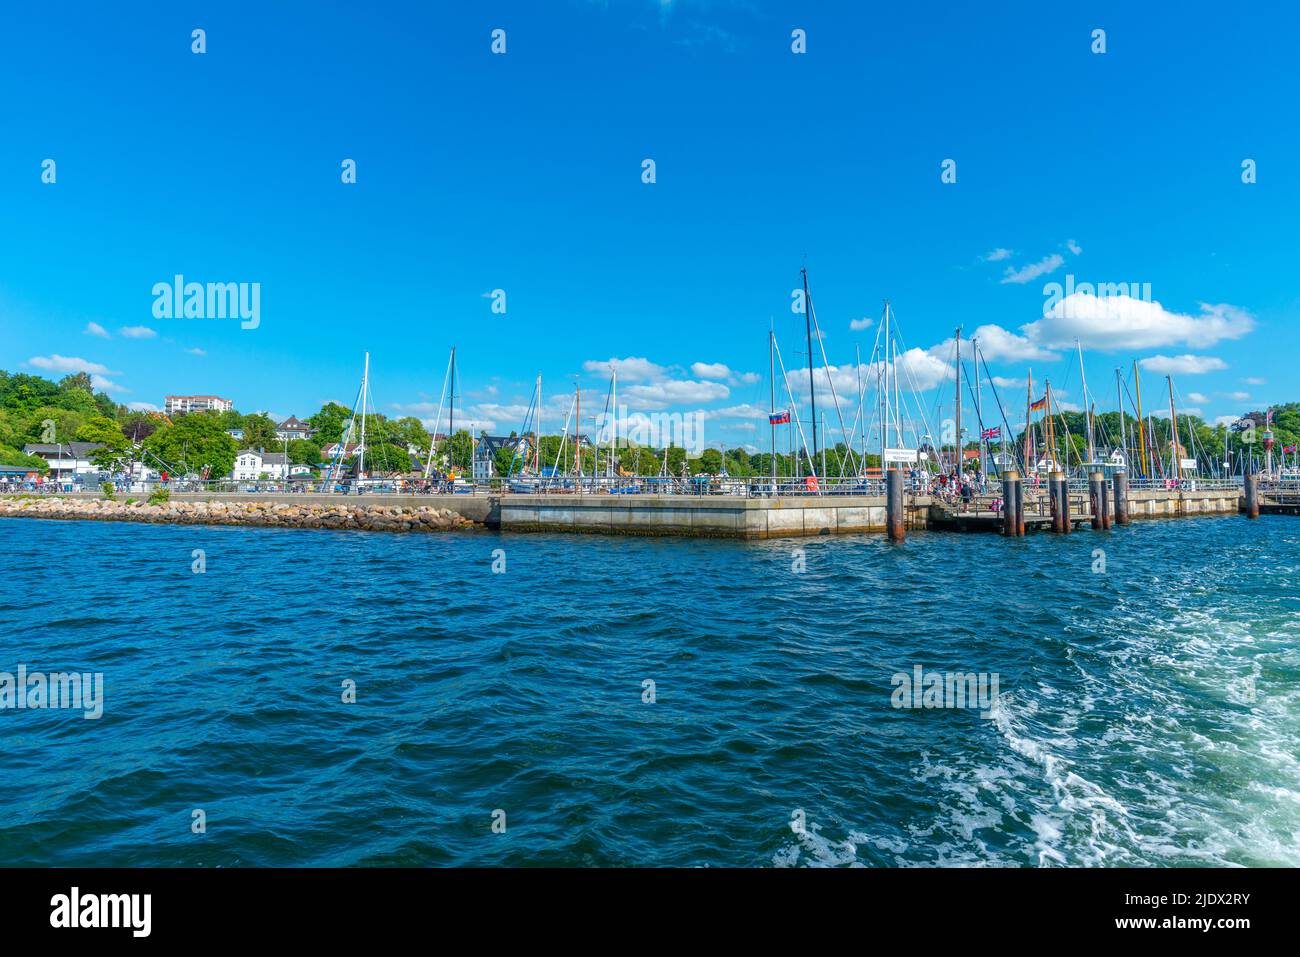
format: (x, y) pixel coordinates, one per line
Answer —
(1147, 714)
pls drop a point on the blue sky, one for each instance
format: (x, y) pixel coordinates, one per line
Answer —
(522, 172)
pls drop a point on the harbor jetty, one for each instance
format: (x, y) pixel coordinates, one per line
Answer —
(1052, 505)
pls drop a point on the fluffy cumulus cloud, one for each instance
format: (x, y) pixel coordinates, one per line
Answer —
(1182, 365)
(710, 370)
(631, 369)
(95, 329)
(857, 325)
(143, 407)
(1048, 264)
(996, 255)
(137, 332)
(997, 345)
(668, 392)
(58, 363)
(1198, 397)
(1116, 322)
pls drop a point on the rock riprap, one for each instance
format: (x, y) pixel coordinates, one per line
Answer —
(373, 518)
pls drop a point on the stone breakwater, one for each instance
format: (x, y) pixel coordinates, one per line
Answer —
(372, 518)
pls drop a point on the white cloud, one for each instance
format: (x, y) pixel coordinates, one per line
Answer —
(1002, 382)
(1198, 397)
(1253, 380)
(106, 385)
(666, 392)
(137, 332)
(996, 255)
(1239, 396)
(1074, 247)
(1226, 419)
(58, 363)
(1182, 365)
(1109, 323)
(748, 378)
(95, 329)
(1048, 264)
(857, 325)
(710, 370)
(997, 344)
(196, 351)
(143, 407)
(631, 369)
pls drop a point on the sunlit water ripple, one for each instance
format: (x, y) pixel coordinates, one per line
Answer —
(1148, 715)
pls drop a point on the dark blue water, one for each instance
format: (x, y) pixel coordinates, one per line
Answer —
(1147, 714)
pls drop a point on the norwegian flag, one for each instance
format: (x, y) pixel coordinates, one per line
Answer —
(993, 433)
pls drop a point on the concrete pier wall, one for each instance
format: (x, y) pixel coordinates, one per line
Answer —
(702, 516)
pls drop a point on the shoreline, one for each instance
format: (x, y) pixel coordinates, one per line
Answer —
(368, 518)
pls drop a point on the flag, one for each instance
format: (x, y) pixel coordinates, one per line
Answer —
(1289, 449)
(993, 433)
(1039, 406)
(779, 418)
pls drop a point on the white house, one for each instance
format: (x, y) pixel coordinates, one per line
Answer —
(292, 429)
(180, 404)
(66, 460)
(251, 464)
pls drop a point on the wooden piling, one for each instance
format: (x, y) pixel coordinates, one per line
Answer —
(1121, 497)
(895, 520)
(1010, 490)
(1251, 488)
(1058, 495)
(1105, 504)
(1064, 484)
(1020, 508)
(1095, 485)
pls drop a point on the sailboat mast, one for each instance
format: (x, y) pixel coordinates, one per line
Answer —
(1092, 449)
(957, 440)
(979, 399)
(577, 431)
(1145, 451)
(613, 433)
(365, 391)
(1029, 423)
(771, 375)
(882, 386)
(807, 321)
(537, 430)
(1174, 457)
(1123, 430)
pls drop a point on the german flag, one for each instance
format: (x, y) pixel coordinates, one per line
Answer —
(1039, 406)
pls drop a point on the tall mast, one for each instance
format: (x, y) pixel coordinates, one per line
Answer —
(537, 430)
(812, 395)
(771, 374)
(1123, 431)
(1173, 425)
(365, 390)
(613, 434)
(1144, 452)
(979, 399)
(882, 386)
(577, 432)
(957, 440)
(1092, 449)
(1029, 423)
(451, 421)
(857, 358)
(1049, 433)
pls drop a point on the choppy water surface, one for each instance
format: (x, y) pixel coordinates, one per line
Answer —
(1147, 715)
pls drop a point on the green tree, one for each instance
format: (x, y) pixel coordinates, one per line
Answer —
(329, 422)
(304, 452)
(194, 442)
(259, 433)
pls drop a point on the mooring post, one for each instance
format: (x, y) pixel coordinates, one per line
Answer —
(1095, 502)
(1010, 483)
(1020, 507)
(1059, 495)
(894, 519)
(1251, 486)
(1105, 503)
(1064, 480)
(1121, 497)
